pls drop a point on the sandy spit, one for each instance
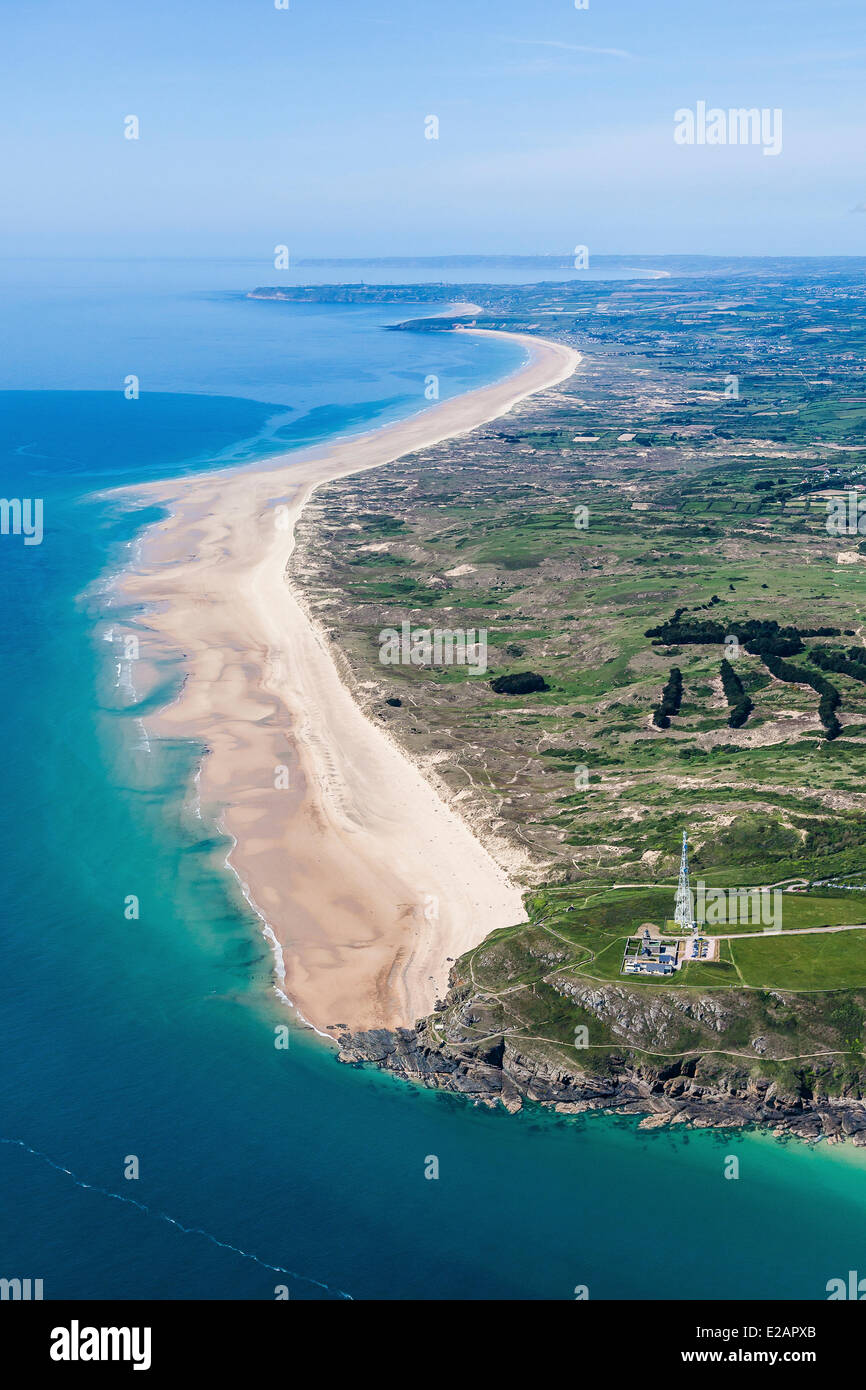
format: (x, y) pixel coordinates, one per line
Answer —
(365, 879)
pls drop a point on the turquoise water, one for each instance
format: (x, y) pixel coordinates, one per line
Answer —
(155, 1038)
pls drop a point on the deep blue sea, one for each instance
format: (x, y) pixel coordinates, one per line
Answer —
(154, 1038)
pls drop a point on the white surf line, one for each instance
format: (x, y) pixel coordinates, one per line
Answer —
(171, 1221)
(271, 937)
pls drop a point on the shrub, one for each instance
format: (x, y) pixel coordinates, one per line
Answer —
(671, 700)
(741, 705)
(521, 683)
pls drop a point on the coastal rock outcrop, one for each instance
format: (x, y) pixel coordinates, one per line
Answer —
(498, 1071)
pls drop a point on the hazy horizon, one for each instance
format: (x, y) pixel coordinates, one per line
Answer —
(343, 132)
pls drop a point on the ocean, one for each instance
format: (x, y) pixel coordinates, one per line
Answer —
(148, 1045)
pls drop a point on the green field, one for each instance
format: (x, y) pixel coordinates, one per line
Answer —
(695, 504)
(835, 960)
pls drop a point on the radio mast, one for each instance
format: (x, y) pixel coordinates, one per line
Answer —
(683, 910)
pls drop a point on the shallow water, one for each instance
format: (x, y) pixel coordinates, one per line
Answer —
(155, 1037)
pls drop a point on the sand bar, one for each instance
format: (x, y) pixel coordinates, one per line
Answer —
(367, 880)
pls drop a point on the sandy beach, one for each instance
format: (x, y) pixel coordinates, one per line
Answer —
(365, 880)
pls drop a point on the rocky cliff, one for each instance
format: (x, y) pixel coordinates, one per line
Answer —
(694, 1090)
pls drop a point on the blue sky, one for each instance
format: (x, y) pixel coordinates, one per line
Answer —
(306, 127)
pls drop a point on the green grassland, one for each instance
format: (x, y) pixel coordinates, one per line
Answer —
(835, 960)
(696, 502)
